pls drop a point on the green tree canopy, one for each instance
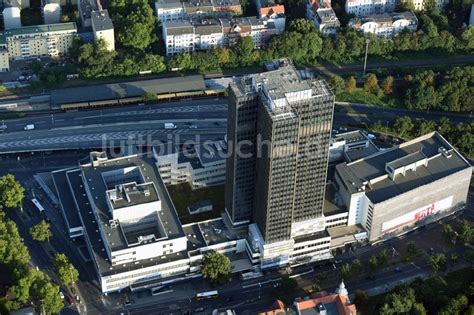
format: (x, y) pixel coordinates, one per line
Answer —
(448, 233)
(66, 271)
(287, 284)
(465, 232)
(337, 84)
(216, 266)
(387, 84)
(41, 232)
(12, 250)
(11, 192)
(135, 23)
(403, 126)
(346, 271)
(371, 83)
(44, 294)
(351, 84)
(437, 262)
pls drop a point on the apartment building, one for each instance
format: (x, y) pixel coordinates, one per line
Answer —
(275, 14)
(4, 59)
(40, 41)
(385, 25)
(368, 7)
(203, 34)
(174, 10)
(420, 4)
(103, 28)
(323, 16)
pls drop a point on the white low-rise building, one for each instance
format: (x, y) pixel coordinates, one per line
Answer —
(175, 10)
(323, 16)
(203, 34)
(368, 7)
(387, 24)
(199, 165)
(103, 28)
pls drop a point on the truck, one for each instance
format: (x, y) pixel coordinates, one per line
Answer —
(170, 126)
(29, 127)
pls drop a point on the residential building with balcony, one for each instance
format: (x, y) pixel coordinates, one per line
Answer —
(323, 16)
(174, 10)
(385, 25)
(368, 7)
(50, 40)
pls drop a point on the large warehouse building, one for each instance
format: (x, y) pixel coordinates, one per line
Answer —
(412, 184)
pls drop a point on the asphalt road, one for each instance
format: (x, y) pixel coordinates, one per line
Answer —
(205, 119)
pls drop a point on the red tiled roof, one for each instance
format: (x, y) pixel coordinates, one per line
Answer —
(269, 11)
(275, 309)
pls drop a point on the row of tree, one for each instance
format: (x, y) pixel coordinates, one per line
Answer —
(461, 135)
(26, 284)
(447, 90)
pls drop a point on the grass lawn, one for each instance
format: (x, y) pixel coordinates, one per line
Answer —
(183, 196)
(361, 96)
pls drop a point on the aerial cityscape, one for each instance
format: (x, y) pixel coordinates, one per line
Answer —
(179, 157)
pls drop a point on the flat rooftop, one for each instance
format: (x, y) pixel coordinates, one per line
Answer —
(92, 175)
(132, 194)
(356, 174)
(121, 90)
(66, 199)
(101, 20)
(215, 232)
(40, 29)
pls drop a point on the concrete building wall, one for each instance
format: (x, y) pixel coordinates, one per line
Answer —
(4, 61)
(11, 18)
(455, 185)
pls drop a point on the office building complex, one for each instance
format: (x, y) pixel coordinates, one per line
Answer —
(175, 10)
(199, 165)
(130, 225)
(385, 25)
(192, 35)
(39, 41)
(292, 119)
(323, 16)
(415, 183)
(103, 28)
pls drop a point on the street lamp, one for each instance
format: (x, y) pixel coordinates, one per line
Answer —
(367, 41)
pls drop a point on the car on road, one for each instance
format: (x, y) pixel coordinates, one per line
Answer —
(193, 127)
(29, 127)
(397, 270)
(199, 309)
(69, 300)
(61, 295)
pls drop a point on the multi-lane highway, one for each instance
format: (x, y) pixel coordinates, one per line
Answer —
(206, 118)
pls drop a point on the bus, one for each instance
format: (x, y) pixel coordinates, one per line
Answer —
(251, 275)
(207, 295)
(38, 205)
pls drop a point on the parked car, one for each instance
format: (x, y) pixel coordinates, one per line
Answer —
(61, 294)
(69, 300)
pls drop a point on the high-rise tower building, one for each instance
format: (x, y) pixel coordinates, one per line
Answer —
(279, 130)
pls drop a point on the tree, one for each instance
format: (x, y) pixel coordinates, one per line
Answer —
(361, 298)
(45, 295)
(403, 126)
(411, 248)
(11, 192)
(448, 233)
(243, 49)
(303, 26)
(382, 258)
(373, 264)
(371, 83)
(287, 284)
(336, 83)
(387, 85)
(65, 269)
(346, 271)
(135, 23)
(356, 265)
(216, 266)
(96, 60)
(455, 306)
(437, 262)
(465, 233)
(12, 250)
(400, 301)
(351, 84)
(41, 232)
(468, 38)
